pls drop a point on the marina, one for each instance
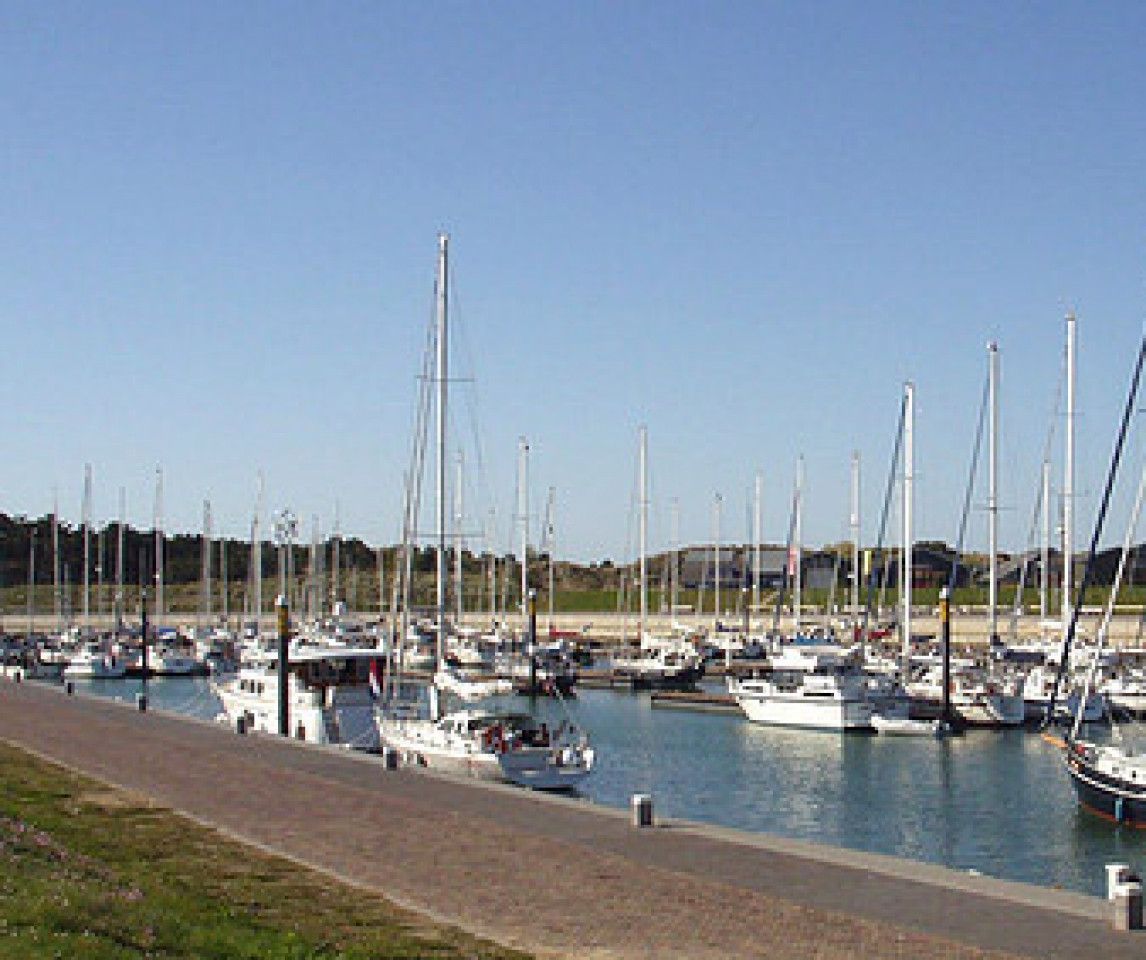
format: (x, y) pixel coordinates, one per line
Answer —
(998, 803)
(702, 889)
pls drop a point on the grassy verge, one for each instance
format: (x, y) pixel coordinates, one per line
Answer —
(88, 872)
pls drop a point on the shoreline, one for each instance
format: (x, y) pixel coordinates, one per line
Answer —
(523, 838)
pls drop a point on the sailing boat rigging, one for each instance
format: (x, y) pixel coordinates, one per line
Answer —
(1109, 779)
(486, 743)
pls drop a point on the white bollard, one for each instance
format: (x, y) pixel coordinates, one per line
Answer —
(1128, 906)
(642, 810)
(1116, 873)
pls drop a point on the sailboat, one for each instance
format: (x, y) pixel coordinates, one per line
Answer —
(1109, 779)
(490, 744)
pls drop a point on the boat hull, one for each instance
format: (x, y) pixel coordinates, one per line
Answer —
(1107, 796)
(812, 713)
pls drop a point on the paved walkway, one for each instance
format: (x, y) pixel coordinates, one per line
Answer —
(555, 876)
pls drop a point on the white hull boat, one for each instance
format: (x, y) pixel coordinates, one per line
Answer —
(491, 745)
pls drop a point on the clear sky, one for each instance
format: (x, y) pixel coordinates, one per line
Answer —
(742, 224)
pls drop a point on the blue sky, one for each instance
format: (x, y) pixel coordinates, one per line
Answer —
(744, 225)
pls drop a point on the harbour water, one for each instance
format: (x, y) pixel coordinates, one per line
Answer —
(995, 802)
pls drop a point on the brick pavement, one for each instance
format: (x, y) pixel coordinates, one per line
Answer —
(555, 876)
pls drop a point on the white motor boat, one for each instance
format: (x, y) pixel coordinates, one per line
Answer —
(466, 688)
(331, 700)
(93, 662)
(1127, 691)
(819, 686)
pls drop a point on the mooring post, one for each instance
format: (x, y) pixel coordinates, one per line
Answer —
(141, 699)
(945, 623)
(642, 804)
(1128, 905)
(532, 642)
(283, 612)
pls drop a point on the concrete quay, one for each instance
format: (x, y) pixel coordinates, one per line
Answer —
(556, 876)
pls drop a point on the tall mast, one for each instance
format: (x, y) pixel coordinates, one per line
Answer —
(224, 584)
(716, 505)
(56, 597)
(204, 616)
(643, 472)
(336, 557)
(674, 568)
(119, 560)
(87, 522)
(757, 538)
(993, 492)
(459, 519)
(257, 553)
(523, 505)
(798, 545)
(908, 519)
(160, 609)
(1044, 578)
(855, 524)
(551, 543)
(1068, 478)
(443, 354)
(491, 539)
(32, 584)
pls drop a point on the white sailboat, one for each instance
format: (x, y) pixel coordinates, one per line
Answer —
(488, 744)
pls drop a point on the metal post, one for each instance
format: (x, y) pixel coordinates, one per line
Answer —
(945, 625)
(283, 613)
(532, 642)
(143, 636)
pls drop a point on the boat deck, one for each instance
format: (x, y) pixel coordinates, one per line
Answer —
(552, 875)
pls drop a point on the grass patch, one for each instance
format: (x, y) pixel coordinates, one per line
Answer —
(89, 872)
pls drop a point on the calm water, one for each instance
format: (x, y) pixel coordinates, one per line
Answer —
(995, 802)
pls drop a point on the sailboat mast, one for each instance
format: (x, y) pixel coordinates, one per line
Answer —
(119, 534)
(160, 609)
(459, 515)
(32, 584)
(523, 504)
(908, 519)
(1068, 478)
(673, 570)
(87, 522)
(993, 492)
(855, 525)
(551, 543)
(643, 471)
(57, 606)
(798, 544)
(757, 538)
(257, 553)
(443, 353)
(717, 502)
(1044, 578)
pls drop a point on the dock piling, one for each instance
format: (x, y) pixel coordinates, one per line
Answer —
(1128, 906)
(642, 810)
(1116, 873)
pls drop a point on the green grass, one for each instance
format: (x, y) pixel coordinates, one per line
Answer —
(86, 872)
